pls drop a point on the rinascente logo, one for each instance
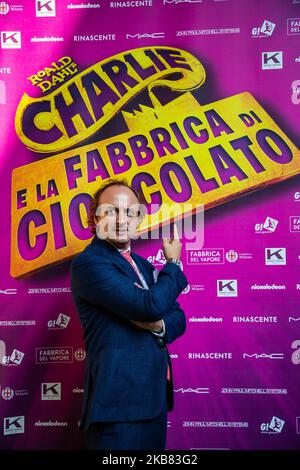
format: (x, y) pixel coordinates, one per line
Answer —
(210, 355)
(132, 3)
(5, 70)
(94, 37)
(255, 319)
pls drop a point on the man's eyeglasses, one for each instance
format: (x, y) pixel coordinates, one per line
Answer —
(112, 211)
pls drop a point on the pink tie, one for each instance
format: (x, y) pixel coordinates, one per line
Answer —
(127, 256)
(168, 373)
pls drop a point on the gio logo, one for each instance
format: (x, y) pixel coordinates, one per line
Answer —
(10, 40)
(266, 29)
(159, 258)
(297, 196)
(272, 60)
(268, 226)
(274, 427)
(227, 288)
(14, 425)
(61, 321)
(296, 353)
(275, 256)
(44, 8)
(51, 391)
(16, 358)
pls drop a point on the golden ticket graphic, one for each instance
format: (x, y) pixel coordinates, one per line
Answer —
(181, 153)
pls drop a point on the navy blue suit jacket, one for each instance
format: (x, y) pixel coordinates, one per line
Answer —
(126, 366)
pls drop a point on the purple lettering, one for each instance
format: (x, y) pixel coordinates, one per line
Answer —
(28, 252)
(222, 158)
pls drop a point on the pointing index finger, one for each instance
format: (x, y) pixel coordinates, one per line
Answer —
(176, 235)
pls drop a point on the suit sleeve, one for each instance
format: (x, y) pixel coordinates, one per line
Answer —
(175, 323)
(103, 285)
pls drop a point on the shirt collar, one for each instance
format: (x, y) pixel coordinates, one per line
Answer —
(124, 250)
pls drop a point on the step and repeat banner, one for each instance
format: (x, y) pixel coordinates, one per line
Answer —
(196, 103)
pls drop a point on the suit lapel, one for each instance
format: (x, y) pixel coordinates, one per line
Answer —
(144, 267)
(106, 250)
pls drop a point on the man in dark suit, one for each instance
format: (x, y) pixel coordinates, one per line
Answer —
(129, 314)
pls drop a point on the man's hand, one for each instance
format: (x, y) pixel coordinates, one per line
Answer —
(172, 246)
(155, 325)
